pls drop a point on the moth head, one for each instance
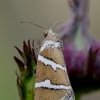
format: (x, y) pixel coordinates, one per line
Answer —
(45, 33)
(50, 32)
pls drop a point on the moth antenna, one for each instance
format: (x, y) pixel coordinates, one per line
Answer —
(55, 24)
(33, 24)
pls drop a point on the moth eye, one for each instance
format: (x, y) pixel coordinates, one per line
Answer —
(45, 33)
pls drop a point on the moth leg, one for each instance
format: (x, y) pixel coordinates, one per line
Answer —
(37, 47)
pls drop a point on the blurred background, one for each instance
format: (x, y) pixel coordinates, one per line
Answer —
(12, 33)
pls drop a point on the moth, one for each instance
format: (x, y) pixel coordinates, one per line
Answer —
(52, 81)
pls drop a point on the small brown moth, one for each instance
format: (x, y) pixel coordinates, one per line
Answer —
(52, 82)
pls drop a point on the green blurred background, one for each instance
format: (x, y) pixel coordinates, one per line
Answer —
(42, 12)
